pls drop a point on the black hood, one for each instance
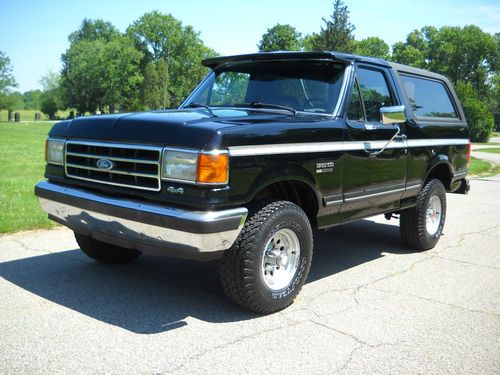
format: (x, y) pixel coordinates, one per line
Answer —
(183, 128)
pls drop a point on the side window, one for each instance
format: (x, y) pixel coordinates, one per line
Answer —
(355, 109)
(428, 98)
(375, 92)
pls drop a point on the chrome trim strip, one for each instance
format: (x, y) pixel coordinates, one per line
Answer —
(374, 195)
(114, 183)
(116, 145)
(161, 235)
(412, 187)
(460, 174)
(115, 158)
(437, 142)
(347, 76)
(315, 147)
(333, 203)
(117, 171)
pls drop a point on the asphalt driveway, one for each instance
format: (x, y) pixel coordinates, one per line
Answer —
(370, 306)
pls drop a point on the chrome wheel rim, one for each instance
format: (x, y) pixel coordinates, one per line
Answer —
(433, 215)
(280, 259)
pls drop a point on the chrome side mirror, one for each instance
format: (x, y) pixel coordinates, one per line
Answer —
(392, 115)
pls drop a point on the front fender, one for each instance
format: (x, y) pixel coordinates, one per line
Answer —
(249, 176)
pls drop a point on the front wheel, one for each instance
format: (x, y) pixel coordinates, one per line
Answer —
(270, 260)
(422, 225)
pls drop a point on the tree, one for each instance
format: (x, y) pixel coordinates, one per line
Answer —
(98, 73)
(151, 90)
(373, 47)
(32, 99)
(408, 55)
(495, 100)
(477, 113)
(50, 81)
(51, 97)
(161, 37)
(48, 104)
(461, 54)
(91, 30)
(122, 75)
(7, 82)
(280, 38)
(337, 34)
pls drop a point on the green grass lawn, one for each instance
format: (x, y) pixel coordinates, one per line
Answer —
(22, 147)
(492, 150)
(28, 115)
(479, 167)
(486, 143)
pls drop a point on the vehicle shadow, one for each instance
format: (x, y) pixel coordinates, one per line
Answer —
(155, 294)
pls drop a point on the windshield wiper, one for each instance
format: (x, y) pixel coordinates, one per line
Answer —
(269, 105)
(200, 105)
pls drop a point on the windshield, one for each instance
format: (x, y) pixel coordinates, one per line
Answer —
(309, 86)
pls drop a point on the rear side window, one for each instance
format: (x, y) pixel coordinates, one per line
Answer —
(429, 98)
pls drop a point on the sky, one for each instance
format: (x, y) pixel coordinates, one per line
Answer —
(34, 33)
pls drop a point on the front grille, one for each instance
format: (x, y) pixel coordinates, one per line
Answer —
(131, 166)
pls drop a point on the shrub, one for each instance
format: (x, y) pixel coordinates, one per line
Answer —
(477, 113)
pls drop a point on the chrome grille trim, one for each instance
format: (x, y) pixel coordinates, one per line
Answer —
(139, 166)
(96, 156)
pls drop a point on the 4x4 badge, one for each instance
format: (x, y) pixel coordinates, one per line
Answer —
(173, 190)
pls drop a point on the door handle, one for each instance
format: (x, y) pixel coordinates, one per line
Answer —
(397, 136)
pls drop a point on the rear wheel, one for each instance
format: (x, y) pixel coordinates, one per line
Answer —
(104, 252)
(422, 225)
(269, 262)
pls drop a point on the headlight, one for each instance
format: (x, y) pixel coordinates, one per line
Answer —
(195, 167)
(54, 151)
(179, 165)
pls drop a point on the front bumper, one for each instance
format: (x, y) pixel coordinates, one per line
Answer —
(143, 226)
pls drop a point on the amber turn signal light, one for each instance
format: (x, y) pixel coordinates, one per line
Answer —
(212, 168)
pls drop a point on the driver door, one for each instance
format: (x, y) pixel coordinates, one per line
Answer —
(372, 183)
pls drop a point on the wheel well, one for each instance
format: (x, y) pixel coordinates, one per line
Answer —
(297, 192)
(441, 172)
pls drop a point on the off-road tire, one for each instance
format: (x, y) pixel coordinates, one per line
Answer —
(412, 222)
(241, 266)
(104, 252)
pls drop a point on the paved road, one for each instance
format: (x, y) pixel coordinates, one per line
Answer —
(370, 306)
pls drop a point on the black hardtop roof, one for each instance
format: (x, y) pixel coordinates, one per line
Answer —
(320, 55)
(286, 55)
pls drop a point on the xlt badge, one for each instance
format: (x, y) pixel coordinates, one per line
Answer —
(325, 167)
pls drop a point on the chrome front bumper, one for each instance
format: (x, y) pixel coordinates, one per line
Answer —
(143, 226)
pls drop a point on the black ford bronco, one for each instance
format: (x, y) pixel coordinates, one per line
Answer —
(268, 147)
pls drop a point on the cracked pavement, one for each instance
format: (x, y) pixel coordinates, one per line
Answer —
(370, 306)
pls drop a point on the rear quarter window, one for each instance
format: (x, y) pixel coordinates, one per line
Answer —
(429, 98)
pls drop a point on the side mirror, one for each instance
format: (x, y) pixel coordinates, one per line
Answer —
(392, 115)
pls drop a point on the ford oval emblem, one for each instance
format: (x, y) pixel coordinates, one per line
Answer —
(104, 164)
